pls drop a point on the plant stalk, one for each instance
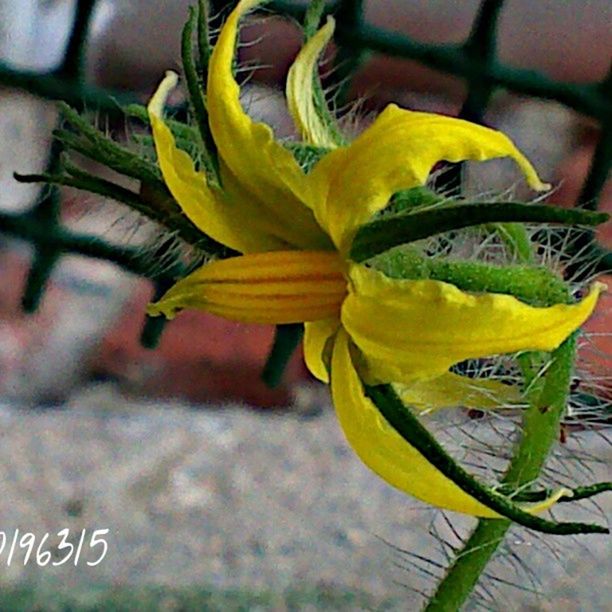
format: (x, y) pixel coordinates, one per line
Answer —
(540, 430)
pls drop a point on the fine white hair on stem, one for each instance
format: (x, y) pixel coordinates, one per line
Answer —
(159, 249)
(484, 446)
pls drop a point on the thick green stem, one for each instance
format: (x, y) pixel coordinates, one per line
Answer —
(540, 430)
(465, 572)
(286, 340)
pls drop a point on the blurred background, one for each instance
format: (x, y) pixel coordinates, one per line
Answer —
(210, 482)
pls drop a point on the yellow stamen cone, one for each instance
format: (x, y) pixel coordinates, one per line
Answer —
(277, 287)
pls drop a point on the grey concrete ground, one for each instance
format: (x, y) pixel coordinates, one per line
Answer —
(231, 497)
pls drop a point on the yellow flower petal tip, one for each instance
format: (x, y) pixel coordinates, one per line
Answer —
(542, 186)
(318, 337)
(300, 89)
(158, 101)
(549, 502)
(600, 287)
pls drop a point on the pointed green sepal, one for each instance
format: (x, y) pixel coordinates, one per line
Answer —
(411, 429)
(383, 234)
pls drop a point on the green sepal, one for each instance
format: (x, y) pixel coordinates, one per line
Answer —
(534, 285)
(153, 198)
(540, 495)
(86, 182)
(94, 144)
(417, 435)
(306, 155)
(383, 234)
(153, 201)
(197, 97)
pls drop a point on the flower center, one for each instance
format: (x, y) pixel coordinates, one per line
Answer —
(276, 287)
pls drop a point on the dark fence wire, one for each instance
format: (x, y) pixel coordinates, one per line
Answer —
(475, 61)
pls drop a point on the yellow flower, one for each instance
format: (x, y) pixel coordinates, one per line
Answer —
(295, 230)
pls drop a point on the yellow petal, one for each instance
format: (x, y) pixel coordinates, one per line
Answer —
(451, 390)
(316, 336)
(286, 234)
(387, 454)
(537, 507)
(276, 287)
(383, 450)
(397, 152)
(300, 89)
(267, 172)
(230, 223)
(410, 330)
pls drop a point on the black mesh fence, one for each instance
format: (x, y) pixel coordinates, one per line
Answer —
(475, 61)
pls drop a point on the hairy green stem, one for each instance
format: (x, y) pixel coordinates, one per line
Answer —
(196, 97)
(469, 564)
(409, 427)
(540, 430)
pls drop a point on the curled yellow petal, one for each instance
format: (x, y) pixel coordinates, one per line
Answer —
(398, 152)
(317, 334)
(387, 454)
(164, 89)
(229, 222)
(451, 390)
(266, 173)
(300, 90)
(383, 450)
(277, 287)
(436, 325)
